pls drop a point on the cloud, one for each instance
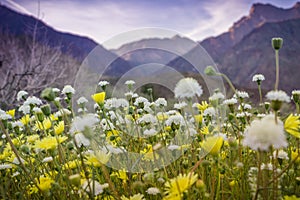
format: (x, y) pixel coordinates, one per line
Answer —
(102, 20)
(222, 14)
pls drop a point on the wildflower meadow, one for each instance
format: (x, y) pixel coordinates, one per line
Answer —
(134, 148)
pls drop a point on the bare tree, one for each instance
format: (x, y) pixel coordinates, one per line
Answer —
(30, 64)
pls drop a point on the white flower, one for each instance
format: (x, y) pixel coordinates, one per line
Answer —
(80, 123)
(129, 82)
(115, 103)
(176, 119)
(17, 124)
(231, 101)
(21, 94)
(15, 174)
(68, 89)
(37, 110)
(216, 96)
(81, 140)
(5, 116)
(128, 94)
(187, 87)
(80, 110)
(106, 125)
(153, 191)
(210, 111)
(97, 188)
(161, 180)
(241, 94)
(103, 83)
(296, 92)
(150, 132)
(147, 118)
(56, 90)
(5, 166)
(161, 102)
(140, 100)
(122, 103)
(268, 166)
(278, 95)
(192, 132)
(33, 101)
(243, 114)
(261, 115)
(17, 162)
(47, 159)
(295, 95)
(244, 106)
(264, 133)
(82, 100)
(173, 147)
(281, 155)
(62, 112)
(180, 105)
(147, 107)
(172, 112)
(258, 77)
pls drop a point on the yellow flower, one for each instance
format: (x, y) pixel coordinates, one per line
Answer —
(44, 183)
(98, 159)
(162, 116)
(7, 152)
(204, 130)
(168, 128)
(291, 198)
(25, 119)
(99, 97)
(11, 112)
(292, 124)
(212, 145)
(50, 142)
(53, 118)
(232, 183)
(148, 153)
(198, 119)
(102, 156)
(71, 164)
(176, 186)
(32, 138)
(294, 154)
(202, 106)
(134, 197)
(45, 125)
(59, 128)
(121, 174)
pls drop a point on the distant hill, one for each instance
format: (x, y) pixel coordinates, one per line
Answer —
(33, 55)
(246, 48)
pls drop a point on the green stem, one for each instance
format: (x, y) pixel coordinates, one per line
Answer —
(277, 69)
(260, 94)
(258, 179)
(228, 81)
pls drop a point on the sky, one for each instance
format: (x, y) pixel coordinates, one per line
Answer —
(103, 20)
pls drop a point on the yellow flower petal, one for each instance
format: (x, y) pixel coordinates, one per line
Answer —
(292, 124)
(99, 97)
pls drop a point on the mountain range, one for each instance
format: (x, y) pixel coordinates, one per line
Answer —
(244, 50)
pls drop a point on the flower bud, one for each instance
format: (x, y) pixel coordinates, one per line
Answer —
(210, 71)
(200, 184)
(48, 94)
(277, 43)
(75, 179)
(276, 105)
(46, 110)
